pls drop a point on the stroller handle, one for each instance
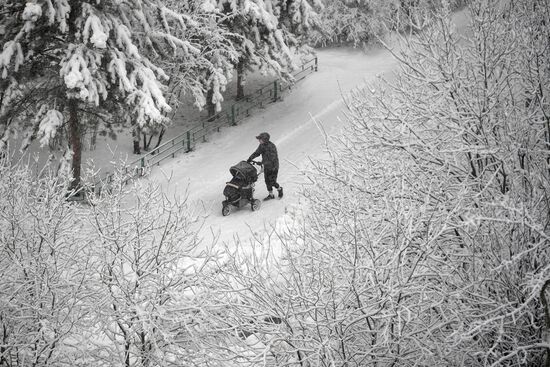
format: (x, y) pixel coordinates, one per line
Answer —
(261, 165)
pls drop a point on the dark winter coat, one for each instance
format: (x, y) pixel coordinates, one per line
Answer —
(270, 158)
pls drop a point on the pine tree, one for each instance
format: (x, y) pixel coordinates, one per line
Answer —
(64, 61)
(265, 32)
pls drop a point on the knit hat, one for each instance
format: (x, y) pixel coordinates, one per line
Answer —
(263, 136)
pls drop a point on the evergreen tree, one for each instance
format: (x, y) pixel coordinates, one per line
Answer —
(63, 61)
(206, 76)
(265, 32)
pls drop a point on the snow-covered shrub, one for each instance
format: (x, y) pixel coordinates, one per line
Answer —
(427, 242)
(147, 278)
(43, 270)
(114, 282)
(362, 22)
(353, 22)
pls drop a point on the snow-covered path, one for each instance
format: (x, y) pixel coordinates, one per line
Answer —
(293, 128)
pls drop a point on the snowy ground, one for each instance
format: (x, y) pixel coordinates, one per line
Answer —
(293, 125)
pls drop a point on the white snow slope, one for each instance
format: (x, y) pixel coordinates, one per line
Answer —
(293, 126)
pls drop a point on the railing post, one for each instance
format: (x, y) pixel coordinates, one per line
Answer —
(233, 121)
(316, 64)
(189, 141)
(275, 90)
(142, 166)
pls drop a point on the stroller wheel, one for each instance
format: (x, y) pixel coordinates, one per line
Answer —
(226, 210)
(256, 205)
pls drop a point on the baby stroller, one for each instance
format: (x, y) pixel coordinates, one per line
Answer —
(240, 190)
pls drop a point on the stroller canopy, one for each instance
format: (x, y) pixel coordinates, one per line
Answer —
(244, 171)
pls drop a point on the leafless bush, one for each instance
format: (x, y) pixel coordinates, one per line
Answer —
(147, 278)
(43, 270)
(113, 282)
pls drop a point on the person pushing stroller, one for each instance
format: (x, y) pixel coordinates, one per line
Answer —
(270, 161)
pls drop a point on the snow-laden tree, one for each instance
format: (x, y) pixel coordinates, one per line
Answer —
(147, 279)
(114, 283)
(207, 77)
(43, 270)
(356, 22)
(63, 61)
(266, 32)
(426, 241)
(360, 22)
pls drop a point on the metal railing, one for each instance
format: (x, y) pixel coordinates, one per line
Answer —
(186, 141)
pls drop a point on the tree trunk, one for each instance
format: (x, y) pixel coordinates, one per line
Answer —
(211, 107)
(546, 311)
(75, 142)
(72, 104)
(161, 134)
(147, 142)
(240, 80)
(93, 138)
(136, 133)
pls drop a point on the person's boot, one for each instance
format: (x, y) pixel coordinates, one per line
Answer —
(280, 190)
(270, 196)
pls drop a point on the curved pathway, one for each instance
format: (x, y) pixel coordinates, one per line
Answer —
(293, 125)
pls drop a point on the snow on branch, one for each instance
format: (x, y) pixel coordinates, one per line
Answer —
(30, 15)
(11, 49)
(79, 71)
(49, 125)
(148, 101)
(99, 36)
(176, 43)
(124, 41)
(118, 72)
(58, 11)
(182, 19)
